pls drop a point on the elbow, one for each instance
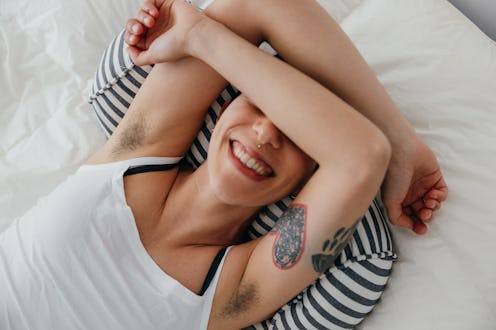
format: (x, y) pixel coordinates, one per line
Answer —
(360, 155)
(382, 151)
(366, 161)
(373, 159)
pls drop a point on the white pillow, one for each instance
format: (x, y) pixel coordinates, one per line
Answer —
(441, 71)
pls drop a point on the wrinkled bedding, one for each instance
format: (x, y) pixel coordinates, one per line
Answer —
(438, 67)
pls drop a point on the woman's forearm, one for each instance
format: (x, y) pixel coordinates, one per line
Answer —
(315, 44)
(303, 109)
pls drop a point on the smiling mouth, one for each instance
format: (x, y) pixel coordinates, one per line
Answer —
(257, 165)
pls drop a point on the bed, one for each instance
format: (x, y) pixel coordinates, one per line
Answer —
(439, 67)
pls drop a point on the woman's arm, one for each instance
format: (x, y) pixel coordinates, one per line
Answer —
(352, 155)
(169, 108)
(166, 113)
(253, 69)
(299, 106)
(320, 123)
(414, 185)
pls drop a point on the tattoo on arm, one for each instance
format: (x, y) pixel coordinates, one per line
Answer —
(331, 249)
(290, 233)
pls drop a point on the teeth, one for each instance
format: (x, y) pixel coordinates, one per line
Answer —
(250, 162)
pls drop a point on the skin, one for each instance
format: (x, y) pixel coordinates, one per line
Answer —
(244, 123)
(193, 52)
(414, 187)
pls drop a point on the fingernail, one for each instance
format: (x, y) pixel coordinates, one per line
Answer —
(148, 20)
(135, 28)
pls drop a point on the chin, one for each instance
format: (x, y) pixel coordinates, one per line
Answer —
(229, 193)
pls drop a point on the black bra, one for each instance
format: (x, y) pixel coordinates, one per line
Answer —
(150, 168)
(212, 270)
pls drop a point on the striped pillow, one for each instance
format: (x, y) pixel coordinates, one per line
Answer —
(346, 293)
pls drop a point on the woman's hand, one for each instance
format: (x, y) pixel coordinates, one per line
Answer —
(159, 33)
(414, 187)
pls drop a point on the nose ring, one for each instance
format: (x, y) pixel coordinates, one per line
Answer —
(259, 146)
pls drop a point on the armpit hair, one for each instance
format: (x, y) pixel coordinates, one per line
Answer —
(133, 136)
(247, 295)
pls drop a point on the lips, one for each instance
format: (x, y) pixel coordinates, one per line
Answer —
(250, 163)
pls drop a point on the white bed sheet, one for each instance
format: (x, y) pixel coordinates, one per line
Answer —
(439, 68)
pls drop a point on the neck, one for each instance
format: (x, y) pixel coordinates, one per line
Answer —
(194, 215)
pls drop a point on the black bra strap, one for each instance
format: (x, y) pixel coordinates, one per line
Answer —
(150, 168)
(213, 270)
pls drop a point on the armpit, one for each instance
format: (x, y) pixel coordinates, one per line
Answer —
(246, 296)
(132, 136)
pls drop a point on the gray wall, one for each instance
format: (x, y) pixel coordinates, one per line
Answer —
(481, 12)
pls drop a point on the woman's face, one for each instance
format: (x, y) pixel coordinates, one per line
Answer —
(251, 162)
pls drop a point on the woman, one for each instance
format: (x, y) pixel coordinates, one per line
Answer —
(265, 146)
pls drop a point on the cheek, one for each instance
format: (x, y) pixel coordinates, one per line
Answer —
(216, 140)
(300, 168)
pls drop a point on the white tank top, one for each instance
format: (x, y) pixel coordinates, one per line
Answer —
(75, 261)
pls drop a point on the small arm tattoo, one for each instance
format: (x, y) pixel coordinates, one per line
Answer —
(290, 232)
(331, 249)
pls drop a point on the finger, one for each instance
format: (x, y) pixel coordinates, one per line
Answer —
(133, 40)
(134, 31)
(425, 215)
(422, 212)
(394, 212)
(145, 18)
(439, 191)
(404, 218)
(138, 56)
(438, 194)
(419, 227)
(417, 205)
(134, 53)
(432, 204)
(134, 26)
(149, 7)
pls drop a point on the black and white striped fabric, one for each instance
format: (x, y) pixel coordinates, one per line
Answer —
(340, 298)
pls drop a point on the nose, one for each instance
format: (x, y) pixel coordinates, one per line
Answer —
(267, 132)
